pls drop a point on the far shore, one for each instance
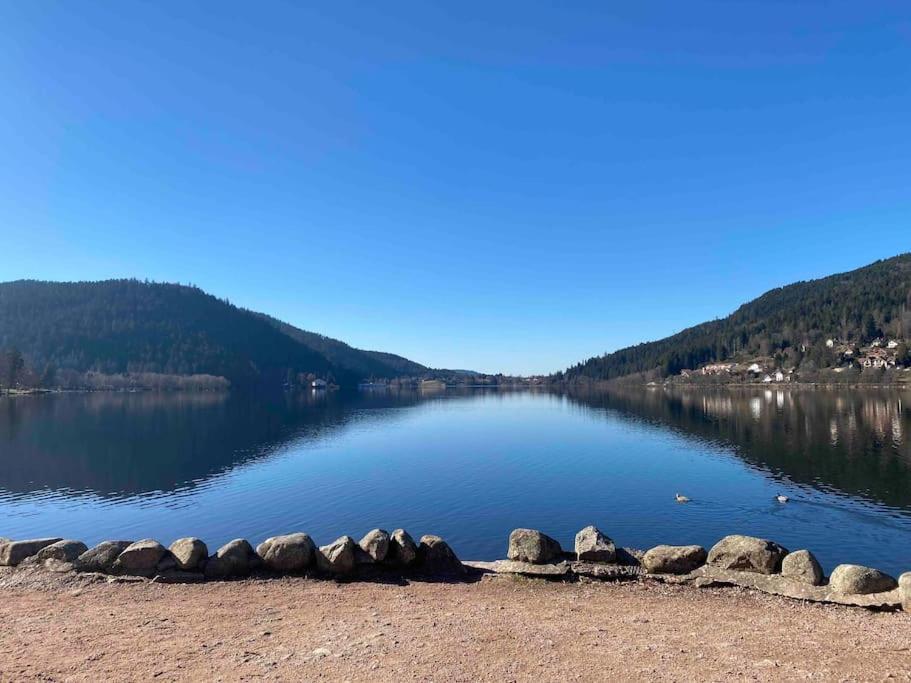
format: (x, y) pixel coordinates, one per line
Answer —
(785, 385)
(553, 387)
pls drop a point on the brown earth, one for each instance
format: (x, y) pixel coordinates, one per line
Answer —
(58, 627)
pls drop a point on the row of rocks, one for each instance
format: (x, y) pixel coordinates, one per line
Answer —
(749, 554)
(189, 558)
(732, 553)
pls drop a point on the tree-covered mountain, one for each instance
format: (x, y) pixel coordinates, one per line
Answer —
(129, 326)
(790, 325)
(366, 364)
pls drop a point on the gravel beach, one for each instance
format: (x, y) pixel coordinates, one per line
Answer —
(65, 627)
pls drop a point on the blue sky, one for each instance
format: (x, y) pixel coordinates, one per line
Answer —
(496, 186)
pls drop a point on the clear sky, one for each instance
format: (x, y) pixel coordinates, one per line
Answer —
(495, 186)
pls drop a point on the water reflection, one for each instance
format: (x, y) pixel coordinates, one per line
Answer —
(469, 465)
(115, 444)
(851, 441)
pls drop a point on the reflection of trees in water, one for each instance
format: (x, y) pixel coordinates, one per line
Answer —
(115, 444)
(854, 441)
(128, 444)
(133, 444)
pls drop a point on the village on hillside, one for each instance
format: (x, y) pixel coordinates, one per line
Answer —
(845, 359)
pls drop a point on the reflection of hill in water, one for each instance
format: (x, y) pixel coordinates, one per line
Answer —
(854, 441)
(113, 445)
(128, 444)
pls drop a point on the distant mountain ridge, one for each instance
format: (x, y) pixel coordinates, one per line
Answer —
(366, 363)
(129, 326)
(790, 325)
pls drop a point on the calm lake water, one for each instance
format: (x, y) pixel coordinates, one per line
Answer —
(468, 465)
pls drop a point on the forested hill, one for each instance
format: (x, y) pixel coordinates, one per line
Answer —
(364, 363)
(128, 326)
(790, 324)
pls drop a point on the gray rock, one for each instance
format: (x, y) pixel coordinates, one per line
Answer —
(101, 558)
(747, 554)
(287, 553)
(594, 546)
(376, 544)
(436, 557)
(140, 558)
(234, 558)
(546, 571)
(802, 566)
(52, 564)
(188, 553)
(630, 556)
(530, 545)
(403, 551)
(13, 552)
(64, 551)
(904, 590)
(606, 572)
(673, 559)
(853, 579)
(776, 584)
(167, 563)
(337, 557)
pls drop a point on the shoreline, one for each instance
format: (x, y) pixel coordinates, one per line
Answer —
(735, 560)
(557, 388)
(386, 608)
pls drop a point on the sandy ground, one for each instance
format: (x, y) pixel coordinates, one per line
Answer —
(59, 628)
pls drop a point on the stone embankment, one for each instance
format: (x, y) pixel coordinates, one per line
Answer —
(737, 560)
(188, 560)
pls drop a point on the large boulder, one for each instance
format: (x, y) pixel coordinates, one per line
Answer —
(673, 559)
(747, 554)
(904, 590)
(188, 553)
(403, 551)
(802, 566)
(63, 551)
(853, 579)
(338, 557)
(530, 545)
(287, 553)
(13, 552)
(101, 558)
(234, 558)
(436, 557)
(594, 546)
(140, 558)
(375, 544)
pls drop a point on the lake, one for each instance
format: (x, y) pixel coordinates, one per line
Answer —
(469, 465)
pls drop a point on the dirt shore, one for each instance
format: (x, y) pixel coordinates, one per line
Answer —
(62, 627)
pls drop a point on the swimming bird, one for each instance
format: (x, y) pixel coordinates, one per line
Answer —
(681, 498)
(782, 499)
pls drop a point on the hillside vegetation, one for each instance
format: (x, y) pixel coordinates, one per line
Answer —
(127, 326)
(790, 325)
(364, 363)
